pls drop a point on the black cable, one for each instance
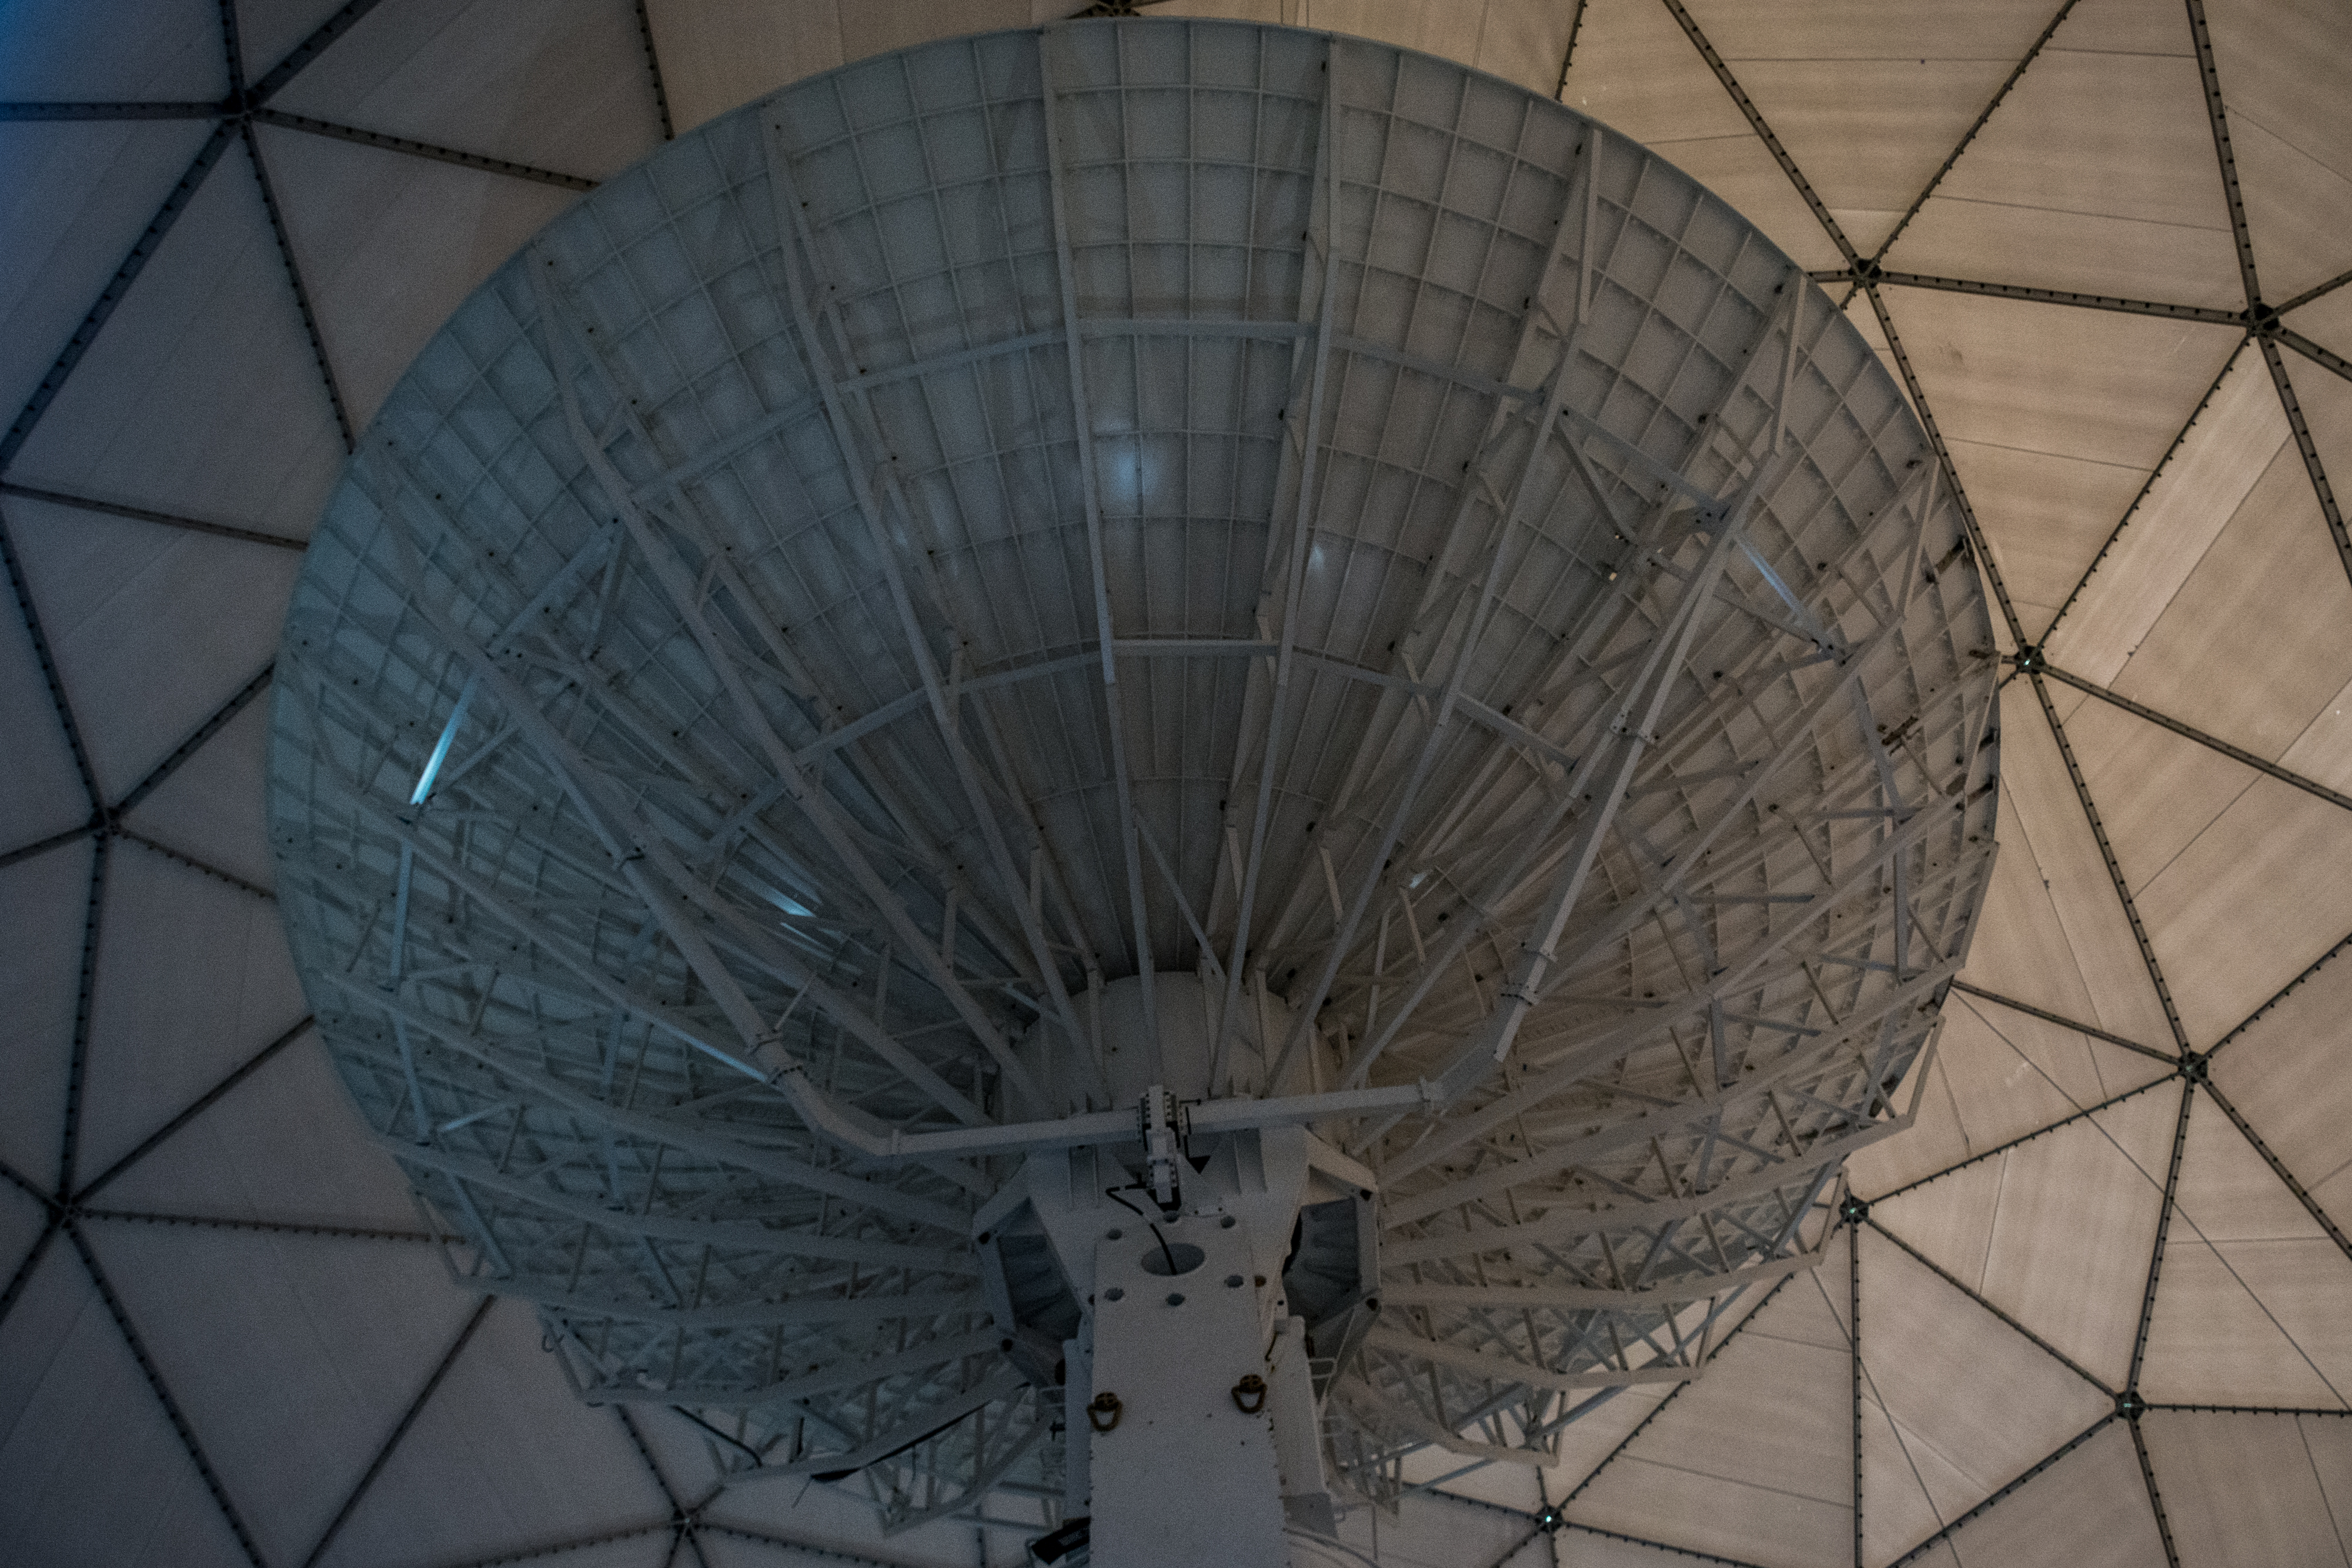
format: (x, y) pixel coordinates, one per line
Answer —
(1112, 1193)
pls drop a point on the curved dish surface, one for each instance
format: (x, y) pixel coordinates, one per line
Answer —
(1144, 553)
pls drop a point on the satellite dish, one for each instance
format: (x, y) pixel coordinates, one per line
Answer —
(1145, 762)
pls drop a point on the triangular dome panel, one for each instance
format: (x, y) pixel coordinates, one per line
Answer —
(2328, 1440)
(2070, 950)
(1937, 1139)
(2157, 790)
(2252, 902)
(2043, 404)
(1637, 72)
(2274, 565)
(2232, 445)
(42, 904)
(1509, 1487)
(269, 31)
(1855, 307)
(211, 804)
(448, 75)
(1870, 102)
(152, 50)
(55, 1302)
(1967, 1402)
(262, 1334)
(1904, 1484)
(2285, 1075)
(2294, 167)
(121, 1491)
(1697, 1479)
(2056, 1232)
(2250, 1300)
(501, 1459)
(41, 791)
(80, 194)
(283, 1147)
(2097, 172)
(710, 62)
(22, 1220)
(1998, 1075)
(141, 418)
(2326, 320)
(2089, 1510)
(153, 628)
(1587, 1550)
(186, 958)
(2243, 1489)
(388, 245)
(1586, 1443)
(2095, 175)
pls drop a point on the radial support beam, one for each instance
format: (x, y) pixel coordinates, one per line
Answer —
(1302, 448)
(1114, 708)
(798, 254)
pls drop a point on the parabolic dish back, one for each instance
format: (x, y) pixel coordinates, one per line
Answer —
(1242, 617)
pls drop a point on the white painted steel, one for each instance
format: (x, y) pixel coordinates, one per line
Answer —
(1255, 553)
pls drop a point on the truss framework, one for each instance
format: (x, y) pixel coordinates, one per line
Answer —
(1551, 597)
(105, 825)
